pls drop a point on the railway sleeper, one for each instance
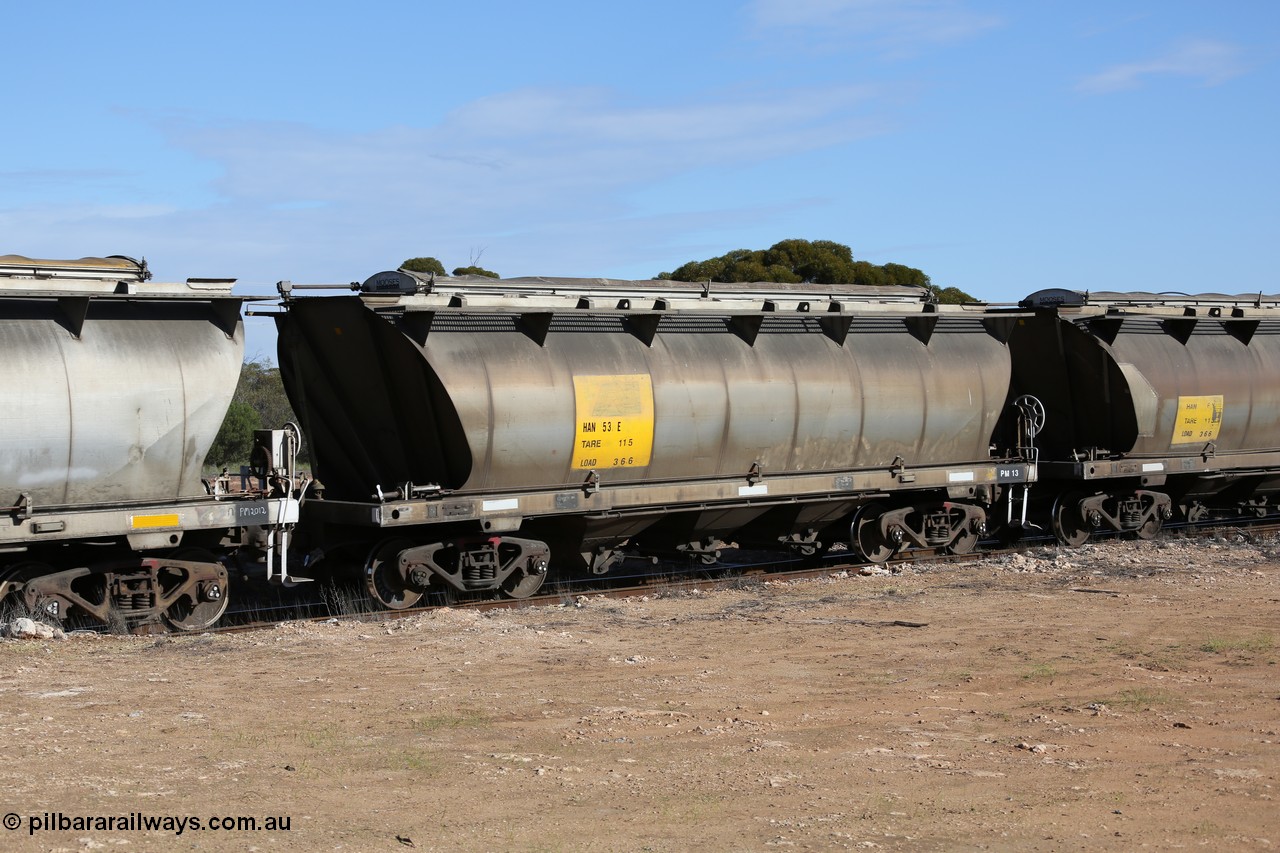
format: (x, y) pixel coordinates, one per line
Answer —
(189, 595)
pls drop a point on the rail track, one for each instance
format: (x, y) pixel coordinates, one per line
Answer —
(335, 602)
(263, 606)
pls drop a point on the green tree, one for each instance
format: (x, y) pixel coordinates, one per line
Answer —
(811, 262)
(261, 403)
(427, 265)
(952, 295)
(261, 388)
(820, 261)
(234, 442)
(473, 270)
(902, 276)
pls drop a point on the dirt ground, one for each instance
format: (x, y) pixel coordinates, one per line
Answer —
(1120, 696)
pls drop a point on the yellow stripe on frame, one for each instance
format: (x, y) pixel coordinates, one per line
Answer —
(147, 522)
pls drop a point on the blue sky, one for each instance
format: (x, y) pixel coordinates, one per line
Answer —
(1000, 147)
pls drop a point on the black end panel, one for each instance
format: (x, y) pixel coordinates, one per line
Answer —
(370, 405)
(1070, 371)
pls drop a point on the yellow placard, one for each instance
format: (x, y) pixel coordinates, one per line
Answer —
(615, 421)
(146, 522)
(1199, 419)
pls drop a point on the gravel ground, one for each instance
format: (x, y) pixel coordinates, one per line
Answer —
(1111, 697)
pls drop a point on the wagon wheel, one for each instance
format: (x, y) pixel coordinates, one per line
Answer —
(1068, 525)
(382, 576)
(187, 614)
(527, 579)
(866, 535)
(964, 543)
(1149, 528)
(20, 574)
(522, 584)
(441, 594)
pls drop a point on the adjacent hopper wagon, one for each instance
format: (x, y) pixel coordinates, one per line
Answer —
(114, 388)
(1159, 406)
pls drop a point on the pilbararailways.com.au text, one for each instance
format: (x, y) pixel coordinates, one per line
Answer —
(139, 822)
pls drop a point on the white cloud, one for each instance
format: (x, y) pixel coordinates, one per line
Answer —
(506, 161)
(540, 177)
(891, 25)
(1210, 62)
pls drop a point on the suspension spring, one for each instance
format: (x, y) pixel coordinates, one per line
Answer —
(134, 601)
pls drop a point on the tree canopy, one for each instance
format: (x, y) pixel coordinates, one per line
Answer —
(808, 261)
(427, 265)
(259, 402)
(475, 271)
(234, 442)
(431, 265)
